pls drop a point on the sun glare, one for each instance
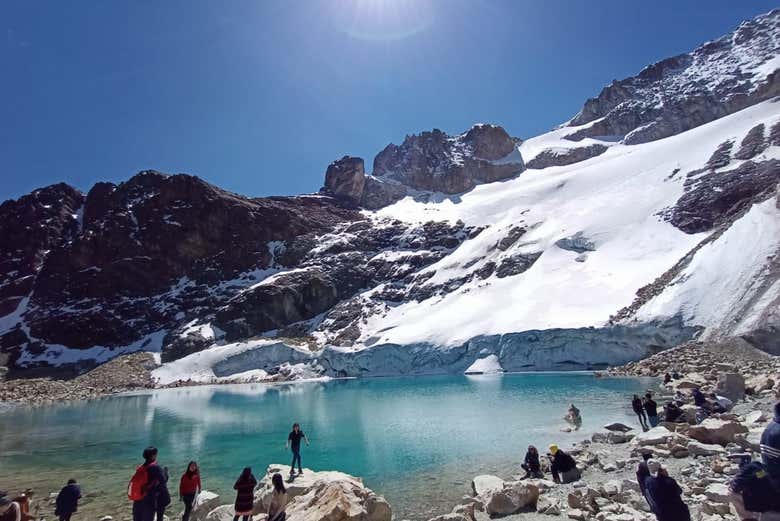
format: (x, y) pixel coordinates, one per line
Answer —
(383, 20)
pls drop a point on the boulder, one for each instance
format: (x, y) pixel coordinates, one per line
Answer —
(656, 436)
(717, 493)
(512, 498)
(696, 448)
(731, 385)
(329, 495)
(618, 427)
(206, 502)
(548, 506)
(758, 384)
(346, 178)
(714, 430)
(754, 417)
(221, 513)
(485, 484)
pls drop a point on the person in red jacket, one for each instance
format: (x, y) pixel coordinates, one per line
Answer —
(189, 488)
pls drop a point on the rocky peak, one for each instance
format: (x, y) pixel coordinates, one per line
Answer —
(676, 94)
(346, 178)
(436, 161)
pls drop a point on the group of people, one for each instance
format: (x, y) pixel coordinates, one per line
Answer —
(646, 410)
(562, 465)
(148, 490)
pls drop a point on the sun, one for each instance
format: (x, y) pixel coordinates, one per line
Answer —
(383, 20)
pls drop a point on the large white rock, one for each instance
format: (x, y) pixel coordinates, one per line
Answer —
(696, 448)
(487, 365)
(485, 484)
(655, 436)
(714, 430)
(512, 498)
(717, 493)
(221, 513)
(205, 503)
(323, 496)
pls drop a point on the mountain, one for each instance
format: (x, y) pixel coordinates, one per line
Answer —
(650, 218)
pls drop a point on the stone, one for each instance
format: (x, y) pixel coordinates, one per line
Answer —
(106, 518)
(717, 492)
(656, 436)
(514, 497)
(731, 385)
(546, 505)
(618, 427)
(759, 384)
(205, 503)
(221, 513)
(485, 484)
(346, 178)
(713, 430)
(576, 514)
(755, 417)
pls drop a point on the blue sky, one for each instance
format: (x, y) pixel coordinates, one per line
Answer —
(259, 96)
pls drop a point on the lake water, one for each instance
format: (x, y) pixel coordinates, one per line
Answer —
(417, 441)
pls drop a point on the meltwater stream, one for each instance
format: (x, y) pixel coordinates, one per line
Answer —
(417, 441)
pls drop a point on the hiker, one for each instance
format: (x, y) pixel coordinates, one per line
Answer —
(68, 500)
(698, 398)
(651, 409)
(294, 442)
(770, 448)
(573, 417)
(564, 468)
(276, 510)
(189, 488)
(639, 410)
(163, 496)
(667, 378)
(664, 495)
(144, 486)
(9, 510)
(751, 490)
(642, 473)
(720, 404)
(532, 467)
(245, 497)
(673, 413)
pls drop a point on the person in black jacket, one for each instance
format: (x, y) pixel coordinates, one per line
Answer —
(531, 464)
(163, 495)
(642, 472)
(244, 487)
(664, 495)
(770, 448)
(68, 500)
(564, 468)
(651, 409)
(639, 410)
(145, 509)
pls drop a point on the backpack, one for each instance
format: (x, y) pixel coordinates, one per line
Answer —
(136, 488)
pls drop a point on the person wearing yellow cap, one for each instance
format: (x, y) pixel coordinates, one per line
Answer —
(564, 468)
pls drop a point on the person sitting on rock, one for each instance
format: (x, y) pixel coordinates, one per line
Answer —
(667, 378)
(9, 510)
(564, 468)
(68, 500)
(719, 404)
(531, 465)
(276, 510)
(245, 498)
(664, 495)
(651, 408)
(643, 472)
(639, 410)
(673, 413)
(573, 417)
(698, 398)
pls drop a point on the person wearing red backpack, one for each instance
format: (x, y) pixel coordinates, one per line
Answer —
(144, 486)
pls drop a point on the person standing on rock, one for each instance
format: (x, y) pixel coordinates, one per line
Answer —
(294, 442)
(651, 409)
(664, 495)
(189, 488)
(245, 497)
(68, 500)
(276, 510)
(639, 410)
(564, 468)
(531, 465)
(144, 486)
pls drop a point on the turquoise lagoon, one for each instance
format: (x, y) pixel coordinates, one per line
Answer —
(418, 441)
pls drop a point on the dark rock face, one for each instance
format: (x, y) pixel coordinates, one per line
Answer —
(516, 264)
(435, 161)
(149, 253)
(379, 193)
(718, 197)
(753, 143)
(30, 227)
(346, 178)
(685, 91)
(578, 243)
(567, 156)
